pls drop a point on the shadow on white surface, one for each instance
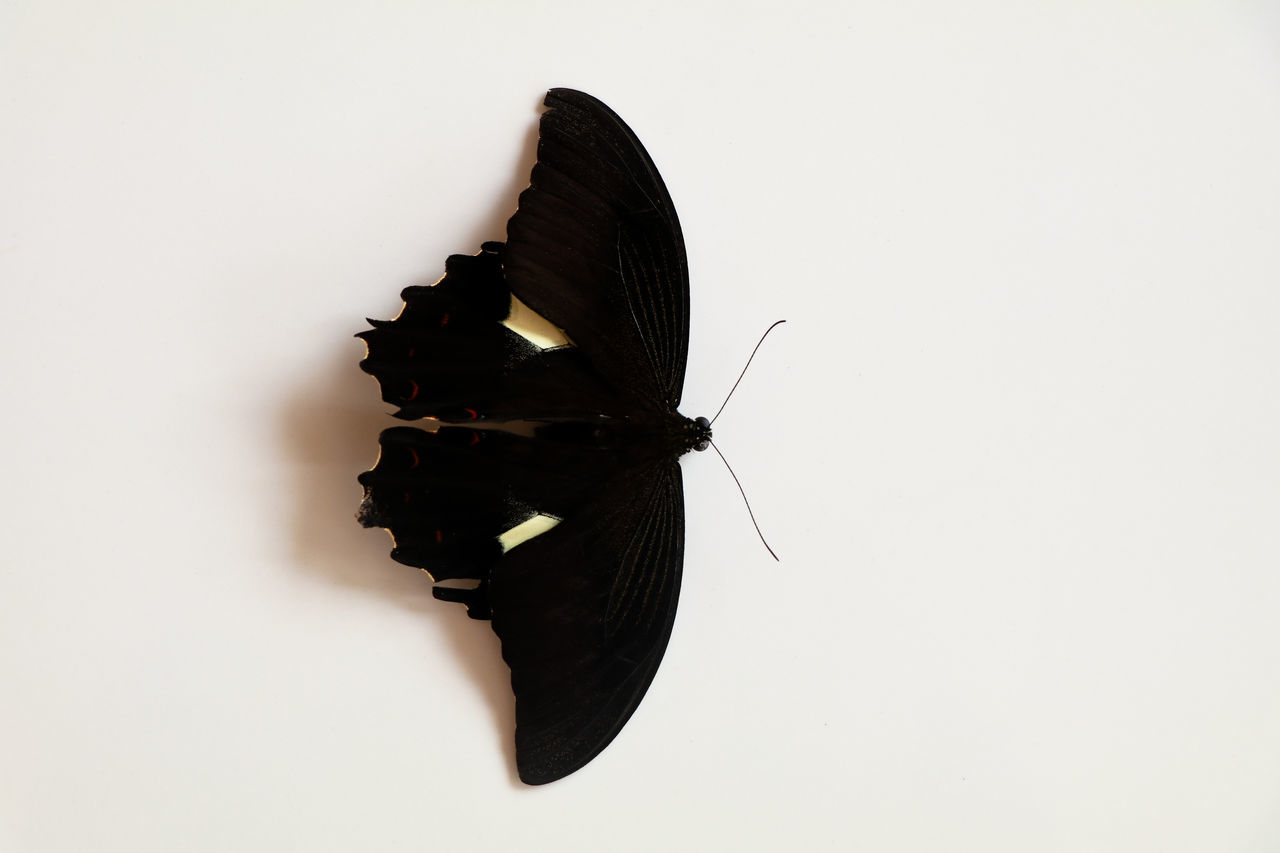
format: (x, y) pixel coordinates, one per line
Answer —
(330, 439)
(329, 430)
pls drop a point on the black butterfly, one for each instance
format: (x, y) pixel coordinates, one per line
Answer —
(585, 434)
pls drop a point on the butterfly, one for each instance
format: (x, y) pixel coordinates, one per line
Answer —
(547, 497)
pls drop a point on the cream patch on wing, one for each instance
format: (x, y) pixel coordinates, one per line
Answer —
(535, 525)
(533, 327)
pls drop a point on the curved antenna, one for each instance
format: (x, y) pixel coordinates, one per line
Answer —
(742, 490)
(735, 388)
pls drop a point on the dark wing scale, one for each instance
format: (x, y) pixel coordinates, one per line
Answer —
(448, 356)
(435, 492)
(584, 613)
(448, 347)
(596, 248)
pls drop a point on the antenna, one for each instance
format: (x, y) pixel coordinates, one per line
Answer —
(735, 385)
(721, 455)
(744, 495)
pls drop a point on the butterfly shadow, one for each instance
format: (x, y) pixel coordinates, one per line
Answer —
(330, 436)
(329, 431)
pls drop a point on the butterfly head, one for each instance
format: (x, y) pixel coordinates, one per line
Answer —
(701, 433)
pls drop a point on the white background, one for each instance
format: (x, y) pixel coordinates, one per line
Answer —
(1017, 445)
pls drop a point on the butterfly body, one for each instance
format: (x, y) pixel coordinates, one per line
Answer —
(584, 435)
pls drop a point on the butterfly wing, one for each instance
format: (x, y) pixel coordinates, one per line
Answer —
(596, 248)
(448, 496)
(448, 356)
(584, 613)
(584, 610)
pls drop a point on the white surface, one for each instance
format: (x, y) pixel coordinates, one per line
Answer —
(1017, 445)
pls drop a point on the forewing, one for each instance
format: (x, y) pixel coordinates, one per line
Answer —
(584, 613)
(596, 248)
